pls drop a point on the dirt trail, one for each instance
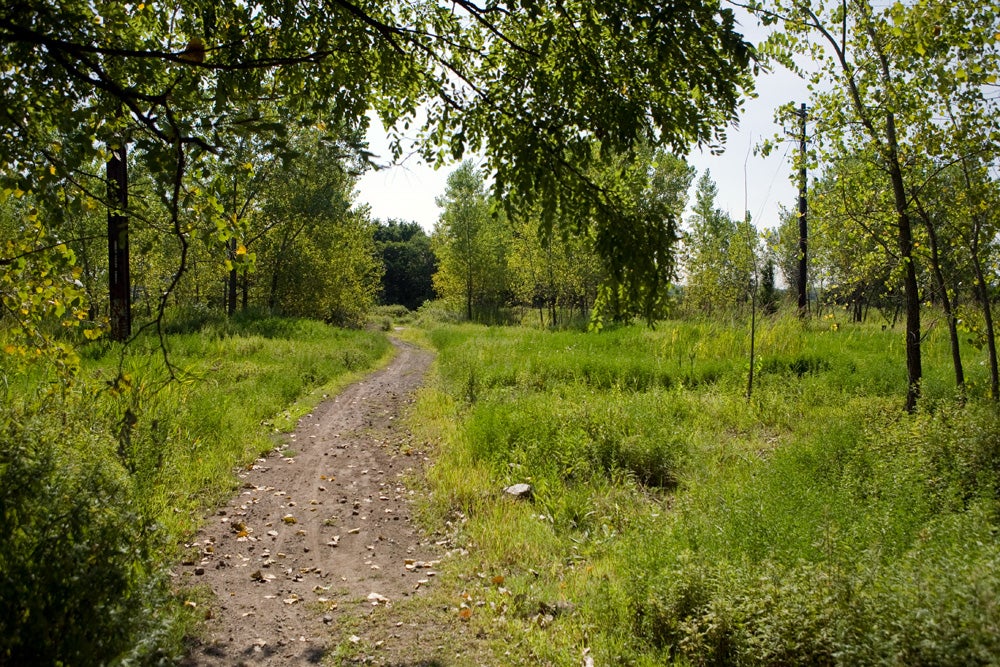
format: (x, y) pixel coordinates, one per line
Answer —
(310, 537)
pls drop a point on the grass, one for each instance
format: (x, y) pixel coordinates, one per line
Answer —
(673, 520)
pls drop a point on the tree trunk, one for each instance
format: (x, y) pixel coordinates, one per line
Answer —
(949, 313)
(911, 295)
(119, 280)
(982, 291)
(911, 288)
(232, 282)
(983, 294)
(801, 279)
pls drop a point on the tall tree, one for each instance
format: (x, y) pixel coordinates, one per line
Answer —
(717, 260)
(470, 243)
(527, 83)
(409, 263)
(875, 98)
(650, 187)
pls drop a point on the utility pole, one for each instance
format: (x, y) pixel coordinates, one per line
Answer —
(803, 229)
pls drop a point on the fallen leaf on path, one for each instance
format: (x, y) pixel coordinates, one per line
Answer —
(288, 518)
(375, 599)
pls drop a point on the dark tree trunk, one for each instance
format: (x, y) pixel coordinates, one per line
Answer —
(911, 288)
(119, 280)
(949, 311)
(802, 277)
(232, 282)
(983, 294)
(982, 291)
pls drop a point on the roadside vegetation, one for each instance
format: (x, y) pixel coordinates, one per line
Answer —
(829, 498)
(104, 477)
(672, 519)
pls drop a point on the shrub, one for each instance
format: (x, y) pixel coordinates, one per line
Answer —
(77, 580)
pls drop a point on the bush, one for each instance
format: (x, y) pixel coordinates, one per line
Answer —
(77, 580)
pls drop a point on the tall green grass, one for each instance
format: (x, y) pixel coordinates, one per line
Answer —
(815, 523)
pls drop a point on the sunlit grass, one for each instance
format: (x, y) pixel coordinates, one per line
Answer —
(686, 522)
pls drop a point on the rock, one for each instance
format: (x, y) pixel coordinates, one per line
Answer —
(519, 491)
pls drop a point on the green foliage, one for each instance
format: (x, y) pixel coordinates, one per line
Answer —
(409, 263)
(471, 243)
(101, 482)
(79, 579)
(718, 256)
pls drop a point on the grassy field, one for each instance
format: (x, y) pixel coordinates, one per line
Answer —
(102, 478)
(675, 521)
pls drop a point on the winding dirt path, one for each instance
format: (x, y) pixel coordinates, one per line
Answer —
(319, 537)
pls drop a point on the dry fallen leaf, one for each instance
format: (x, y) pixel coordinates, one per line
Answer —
(288, 518)
(465, 613)
(375, 599)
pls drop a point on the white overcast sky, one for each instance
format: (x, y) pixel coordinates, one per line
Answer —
(408, 191)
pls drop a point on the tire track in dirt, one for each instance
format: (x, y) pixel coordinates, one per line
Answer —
(310, 537)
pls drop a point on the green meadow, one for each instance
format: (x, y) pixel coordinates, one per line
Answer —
(675, 521)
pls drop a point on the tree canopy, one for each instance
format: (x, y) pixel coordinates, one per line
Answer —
(530, 84)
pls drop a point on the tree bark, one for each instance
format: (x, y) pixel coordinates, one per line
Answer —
(119, 278)
(949, 312)
(232, 282)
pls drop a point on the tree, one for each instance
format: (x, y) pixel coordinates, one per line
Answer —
(717, 259)
(879, 98)
(553, 274)
(470, 242)
(409, 263)
(316, 254)
(527, 83)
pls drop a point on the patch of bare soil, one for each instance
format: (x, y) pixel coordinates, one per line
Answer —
(319, 543)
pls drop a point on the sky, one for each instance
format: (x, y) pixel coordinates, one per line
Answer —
(408, 191)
